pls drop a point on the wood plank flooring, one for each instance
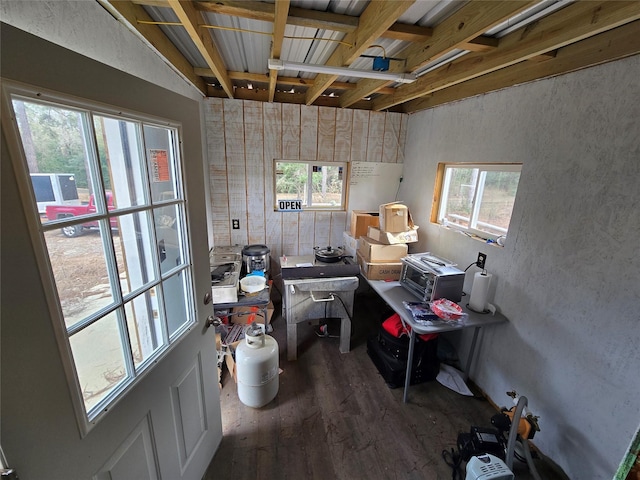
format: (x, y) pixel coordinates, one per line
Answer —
(334, 417)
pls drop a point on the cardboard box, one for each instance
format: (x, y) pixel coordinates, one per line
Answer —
(389, 238)
(229, 358)
(394, 217)
(380, 271)
(361, 220)
(373, 251)
(246, 315)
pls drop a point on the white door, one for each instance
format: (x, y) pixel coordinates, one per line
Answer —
(112, 377)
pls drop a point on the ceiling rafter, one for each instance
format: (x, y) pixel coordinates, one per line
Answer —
(279, 23)
(469, 22)
(337, 22)
(129, 13)
(573, 23)
(191, 20)
(375, 20)
(611, 45)
(290, 81)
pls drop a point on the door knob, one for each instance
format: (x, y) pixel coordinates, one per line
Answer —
(213, 321)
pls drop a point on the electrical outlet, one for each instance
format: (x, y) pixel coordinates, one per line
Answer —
(235, 224)
(482, 258)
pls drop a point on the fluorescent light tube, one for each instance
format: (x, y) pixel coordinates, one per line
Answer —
(276, 64)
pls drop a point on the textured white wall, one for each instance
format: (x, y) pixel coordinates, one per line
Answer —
(85, 27)
(568, 278)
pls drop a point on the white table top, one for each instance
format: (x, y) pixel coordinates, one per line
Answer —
(394, 294)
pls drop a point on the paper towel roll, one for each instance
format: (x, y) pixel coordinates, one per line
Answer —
(480, 291)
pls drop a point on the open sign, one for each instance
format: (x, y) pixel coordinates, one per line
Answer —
(290, 205)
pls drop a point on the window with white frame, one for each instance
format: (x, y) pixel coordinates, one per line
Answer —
(314, 185)
(477, 198)
(114, 228)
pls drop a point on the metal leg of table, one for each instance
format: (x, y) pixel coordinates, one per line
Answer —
(472, 349)
(407, 378)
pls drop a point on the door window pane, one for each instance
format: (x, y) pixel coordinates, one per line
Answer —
(160, 146)
(81, 274)
(99, 359)
(135, 243)
(170, 244)
(145, 328)
(176, 295)
(121, 160)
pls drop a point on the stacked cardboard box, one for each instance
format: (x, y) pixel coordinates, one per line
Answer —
(381, 250)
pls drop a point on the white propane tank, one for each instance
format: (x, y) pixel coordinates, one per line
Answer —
(257, 366)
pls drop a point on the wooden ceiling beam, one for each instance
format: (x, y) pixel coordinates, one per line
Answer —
(129, 13)
(191, 20)
(337, 22)
(469, 22)
(612, 45)
(573, 23)
(280, 21)
(262, 78)
(285, 97)
(375, 19)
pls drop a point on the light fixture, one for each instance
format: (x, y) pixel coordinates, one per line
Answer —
(276, 64)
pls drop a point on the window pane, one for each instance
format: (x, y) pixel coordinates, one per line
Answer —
(143, 323)
(327, 186)
(176, 301)
(162, 168)
(170, 245)
(99, 359)
(56, 149)
(119, 148)
(462, 184)
(291, 181)
(81, 274)
(134, 241)
(497, 201)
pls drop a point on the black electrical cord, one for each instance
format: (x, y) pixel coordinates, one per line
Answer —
(454, 460)
(470, 265)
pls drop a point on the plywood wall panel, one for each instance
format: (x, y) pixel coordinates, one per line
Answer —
(338, 226)
(214, 128)
(322, 230)
(272, 115)
(375, 136)
(308, 222)
(344, 125)
(290, 234)
(359, 136)
(291, 132)
(255, 168)
(391, 143)
(309, 132)
(404, 122)
(326, 133)
(236, 168)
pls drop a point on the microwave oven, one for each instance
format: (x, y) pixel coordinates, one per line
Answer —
(430, 277)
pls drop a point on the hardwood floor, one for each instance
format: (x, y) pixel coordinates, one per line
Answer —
(334, 417)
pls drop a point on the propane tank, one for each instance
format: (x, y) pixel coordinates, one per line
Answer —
(257, 367)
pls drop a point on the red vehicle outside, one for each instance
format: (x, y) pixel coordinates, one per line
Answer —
(56, 212)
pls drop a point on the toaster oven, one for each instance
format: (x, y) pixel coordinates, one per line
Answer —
(430, 277)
